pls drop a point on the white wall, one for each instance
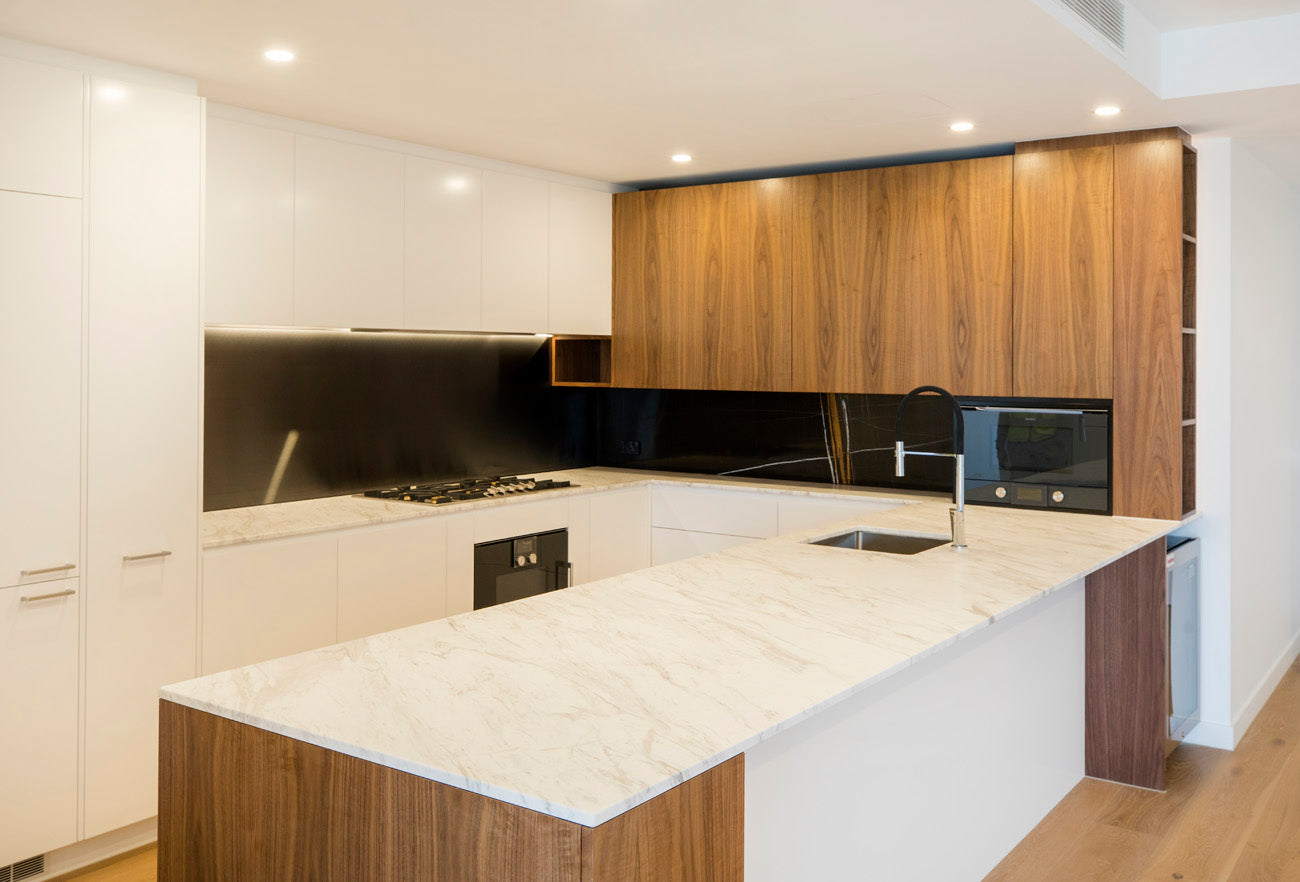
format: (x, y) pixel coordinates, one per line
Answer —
(1248, 462)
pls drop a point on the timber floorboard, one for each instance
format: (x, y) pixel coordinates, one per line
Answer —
(1226, 817)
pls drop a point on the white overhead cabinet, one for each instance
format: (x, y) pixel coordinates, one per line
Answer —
(40, 387)
(444, 246)
(348, 232)
(41, 121)
(516, 217)
(248, 261)
(143, 445)
(581, 260)
(38, 775)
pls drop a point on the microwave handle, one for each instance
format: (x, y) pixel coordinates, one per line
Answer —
(564, 570)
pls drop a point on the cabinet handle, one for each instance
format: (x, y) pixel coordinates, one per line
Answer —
(66, 592)
(150, 556)
(60, 568)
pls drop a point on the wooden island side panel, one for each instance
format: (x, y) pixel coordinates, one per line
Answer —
(238, 802)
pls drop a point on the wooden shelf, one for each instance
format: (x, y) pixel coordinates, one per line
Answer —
(580, 361)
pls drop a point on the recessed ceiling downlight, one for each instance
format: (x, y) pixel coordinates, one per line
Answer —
(681, 157)
(1107, 110)
(281, 55)
(962, 126)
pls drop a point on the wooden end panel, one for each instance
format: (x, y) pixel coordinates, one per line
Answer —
(237, 802)
(1148, 391)
(693, 833)
(1126, 655)
(1063, 273)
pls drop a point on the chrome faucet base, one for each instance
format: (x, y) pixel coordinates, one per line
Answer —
(958, 518)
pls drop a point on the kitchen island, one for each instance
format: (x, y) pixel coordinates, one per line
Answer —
(746, 711)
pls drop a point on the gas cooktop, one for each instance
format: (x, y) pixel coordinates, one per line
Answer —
(444, 492)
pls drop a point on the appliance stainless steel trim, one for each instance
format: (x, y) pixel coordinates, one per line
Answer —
(150, 556)
(60, 568)
(66, 592)
(1057, 410)
(566, 571)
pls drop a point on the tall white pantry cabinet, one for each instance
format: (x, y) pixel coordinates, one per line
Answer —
(100, 347)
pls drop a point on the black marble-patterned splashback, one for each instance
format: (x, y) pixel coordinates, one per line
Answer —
(296, 414)
(843, 439)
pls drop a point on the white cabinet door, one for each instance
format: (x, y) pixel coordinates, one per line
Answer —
(581, 254)
(704, 510)
(143, 440)
(347, 235)
(460, 564)
(444, 246)
(392, 576)
(38, 742)
(40, 387)
(41, 119)
(515, 220)
(671, 545)
(248, 261)
(268, 599)
(809, 512)
(620, 532)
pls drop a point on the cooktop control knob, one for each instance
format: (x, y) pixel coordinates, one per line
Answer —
(1058, 496)
(1000, 493)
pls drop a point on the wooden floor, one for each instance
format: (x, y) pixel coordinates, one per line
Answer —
(1227, 816)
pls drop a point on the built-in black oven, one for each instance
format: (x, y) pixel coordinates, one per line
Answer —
(1037, 454)
(519, 567)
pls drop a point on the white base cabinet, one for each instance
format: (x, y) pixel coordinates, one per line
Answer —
(143, 444)
(619, 533)
(268, 599)
(40, 386)
(391, 576)
(38, 743)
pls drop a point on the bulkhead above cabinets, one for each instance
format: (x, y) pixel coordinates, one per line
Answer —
(315, 231)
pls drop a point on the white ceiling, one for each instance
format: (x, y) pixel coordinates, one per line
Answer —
(608, 89)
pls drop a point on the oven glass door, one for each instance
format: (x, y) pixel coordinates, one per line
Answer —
(500, 576)
(1038, 447)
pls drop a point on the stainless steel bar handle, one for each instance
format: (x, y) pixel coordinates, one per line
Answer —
(150, 556)
(66, 592)
(60, 568)
(566, 570)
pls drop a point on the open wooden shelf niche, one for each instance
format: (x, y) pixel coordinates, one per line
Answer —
(580, 361)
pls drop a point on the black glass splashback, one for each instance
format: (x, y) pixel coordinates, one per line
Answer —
(346, 412)
(846, 439)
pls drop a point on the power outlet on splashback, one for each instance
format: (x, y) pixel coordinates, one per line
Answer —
(629, 448)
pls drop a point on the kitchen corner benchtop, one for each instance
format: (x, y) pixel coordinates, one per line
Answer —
(586, 702)
(283, 520)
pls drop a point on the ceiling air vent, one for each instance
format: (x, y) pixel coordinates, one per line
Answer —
(33, 866)
(1105, 17)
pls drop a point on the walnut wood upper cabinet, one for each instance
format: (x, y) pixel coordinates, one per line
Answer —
(702, 287)
(902, 277)
(1064, 273)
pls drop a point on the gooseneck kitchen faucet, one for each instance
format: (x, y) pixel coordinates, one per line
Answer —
(957, 514)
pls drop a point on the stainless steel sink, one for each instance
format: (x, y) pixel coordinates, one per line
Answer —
(890, 543)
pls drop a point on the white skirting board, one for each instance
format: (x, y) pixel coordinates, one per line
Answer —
(1226, 737)
(99, 848)
(936, 774)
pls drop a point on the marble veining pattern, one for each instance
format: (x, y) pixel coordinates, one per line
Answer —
(587, 702)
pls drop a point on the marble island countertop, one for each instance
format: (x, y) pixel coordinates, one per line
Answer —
(587, 702)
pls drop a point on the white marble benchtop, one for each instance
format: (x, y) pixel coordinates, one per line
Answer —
(586, 702)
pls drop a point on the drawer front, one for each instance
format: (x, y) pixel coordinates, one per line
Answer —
(672, 545)
(727, 512)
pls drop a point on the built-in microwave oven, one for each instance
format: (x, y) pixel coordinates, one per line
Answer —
(1032, 454)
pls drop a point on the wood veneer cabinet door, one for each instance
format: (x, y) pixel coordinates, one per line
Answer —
(902, 277)
(1064, 273)
(1148, 329)
(702, 287)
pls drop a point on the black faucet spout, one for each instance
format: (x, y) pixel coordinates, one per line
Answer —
(958, 423)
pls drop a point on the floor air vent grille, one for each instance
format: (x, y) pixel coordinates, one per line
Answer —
(1106, 17)
(33, 866)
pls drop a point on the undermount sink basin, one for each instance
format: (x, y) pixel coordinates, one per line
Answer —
(890, 543)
